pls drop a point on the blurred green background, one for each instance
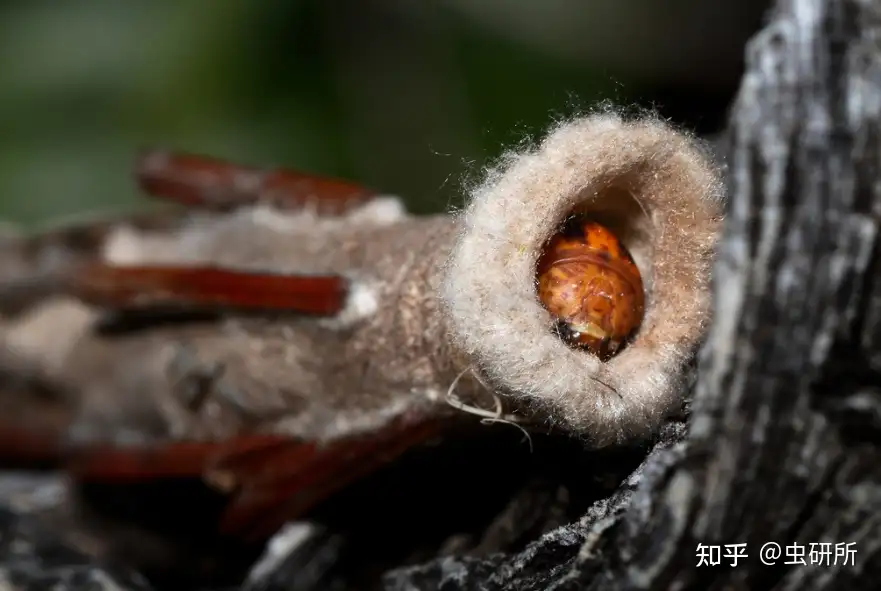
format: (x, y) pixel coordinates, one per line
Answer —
(405, 96)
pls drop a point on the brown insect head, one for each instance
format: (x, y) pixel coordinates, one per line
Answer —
(589, 282)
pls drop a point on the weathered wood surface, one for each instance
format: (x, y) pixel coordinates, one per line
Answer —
(785, 434)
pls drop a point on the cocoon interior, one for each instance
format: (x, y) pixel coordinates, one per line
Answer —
(658, 190)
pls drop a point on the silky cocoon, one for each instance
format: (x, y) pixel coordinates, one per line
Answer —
(659, 191)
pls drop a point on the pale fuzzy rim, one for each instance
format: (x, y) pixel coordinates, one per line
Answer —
(489, 286)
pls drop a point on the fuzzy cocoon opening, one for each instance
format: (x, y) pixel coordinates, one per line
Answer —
(657, 191)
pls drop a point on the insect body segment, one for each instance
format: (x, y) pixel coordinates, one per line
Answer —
(589, 282)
